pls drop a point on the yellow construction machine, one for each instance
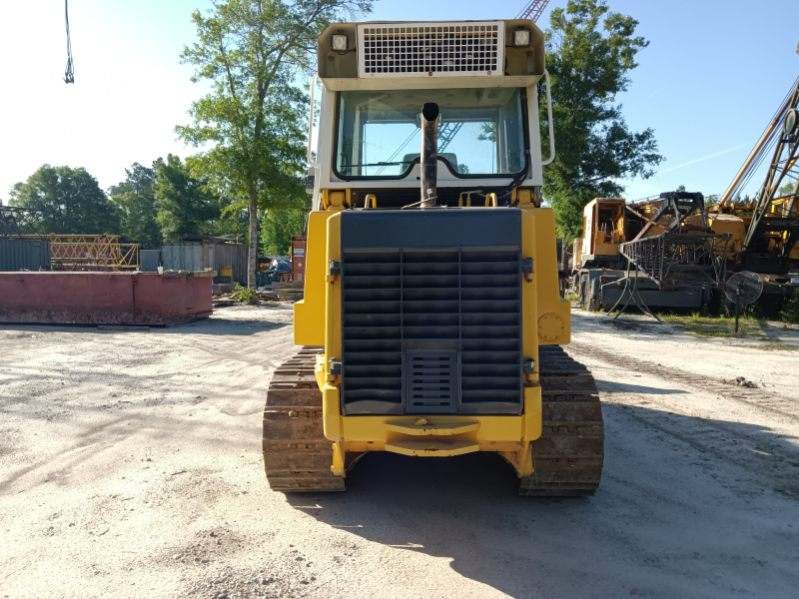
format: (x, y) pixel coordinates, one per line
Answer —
(665, 246)
(431, 318)
(603, 231)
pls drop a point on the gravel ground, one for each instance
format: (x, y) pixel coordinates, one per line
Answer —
(130, 466)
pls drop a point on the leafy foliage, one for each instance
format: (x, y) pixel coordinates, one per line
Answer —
(135, 200)
(251, 52)
(790, 309)
(788, 188)
(279, 226)
(591, 52)
(183, 206)
(67, 200)
(244, 295)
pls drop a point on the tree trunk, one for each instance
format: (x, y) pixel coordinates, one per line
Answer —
(252, 252)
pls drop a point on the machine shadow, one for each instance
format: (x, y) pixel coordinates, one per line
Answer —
(213, 326)
(640, 326)
(611, 387)
(217, 325)
(466, 509)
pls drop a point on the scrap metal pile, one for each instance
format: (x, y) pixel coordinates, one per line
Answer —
(676, 246)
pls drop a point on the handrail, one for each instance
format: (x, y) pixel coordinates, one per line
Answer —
(550, 121)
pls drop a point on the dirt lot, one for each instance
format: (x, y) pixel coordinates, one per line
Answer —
(130, 466)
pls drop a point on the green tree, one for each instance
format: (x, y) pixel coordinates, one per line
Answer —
(251, 52)
(279, 226)
(135, 199)
(231, 221)
(591, 52)
(788, 188)
(67, 200)
(184, 208)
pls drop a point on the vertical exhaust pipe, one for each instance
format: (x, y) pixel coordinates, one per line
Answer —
(429, 155)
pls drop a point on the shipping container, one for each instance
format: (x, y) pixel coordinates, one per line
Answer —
(150, 260)
(21, 253)
(227, 260)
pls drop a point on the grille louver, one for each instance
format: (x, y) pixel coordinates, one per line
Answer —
(475, 48)
(446, 323)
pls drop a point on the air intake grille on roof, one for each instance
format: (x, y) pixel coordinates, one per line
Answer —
(442, 49)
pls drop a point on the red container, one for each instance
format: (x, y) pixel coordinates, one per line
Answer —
(115, 298)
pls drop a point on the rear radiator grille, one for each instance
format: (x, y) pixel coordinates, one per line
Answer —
(387, 50)
(455, 313)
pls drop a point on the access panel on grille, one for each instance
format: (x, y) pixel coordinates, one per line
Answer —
(391, 49)
(430, 381)
(458, 308)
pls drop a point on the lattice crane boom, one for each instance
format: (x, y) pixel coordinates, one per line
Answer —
(533, 10)
(784, 167)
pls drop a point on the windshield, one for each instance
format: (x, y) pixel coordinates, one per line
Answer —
(481, 131)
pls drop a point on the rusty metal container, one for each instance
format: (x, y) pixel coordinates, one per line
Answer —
(104, 298)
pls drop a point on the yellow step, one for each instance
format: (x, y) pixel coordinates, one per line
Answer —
(434, 447)
(425, 427)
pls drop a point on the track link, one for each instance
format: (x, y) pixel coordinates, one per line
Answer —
(296, 453)
(568, 457)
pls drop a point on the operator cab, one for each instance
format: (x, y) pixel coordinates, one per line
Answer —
(482, 134)
(484, 78)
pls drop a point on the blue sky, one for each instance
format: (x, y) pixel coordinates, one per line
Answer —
(712, 76)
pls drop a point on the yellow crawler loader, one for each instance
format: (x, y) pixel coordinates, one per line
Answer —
(431, 316)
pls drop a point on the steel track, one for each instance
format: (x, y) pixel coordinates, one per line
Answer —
(568, 457)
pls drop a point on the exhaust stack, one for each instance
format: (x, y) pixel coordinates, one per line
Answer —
(429, 155)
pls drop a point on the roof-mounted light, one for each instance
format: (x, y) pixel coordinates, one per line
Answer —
(339, 42)
(522, 38)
